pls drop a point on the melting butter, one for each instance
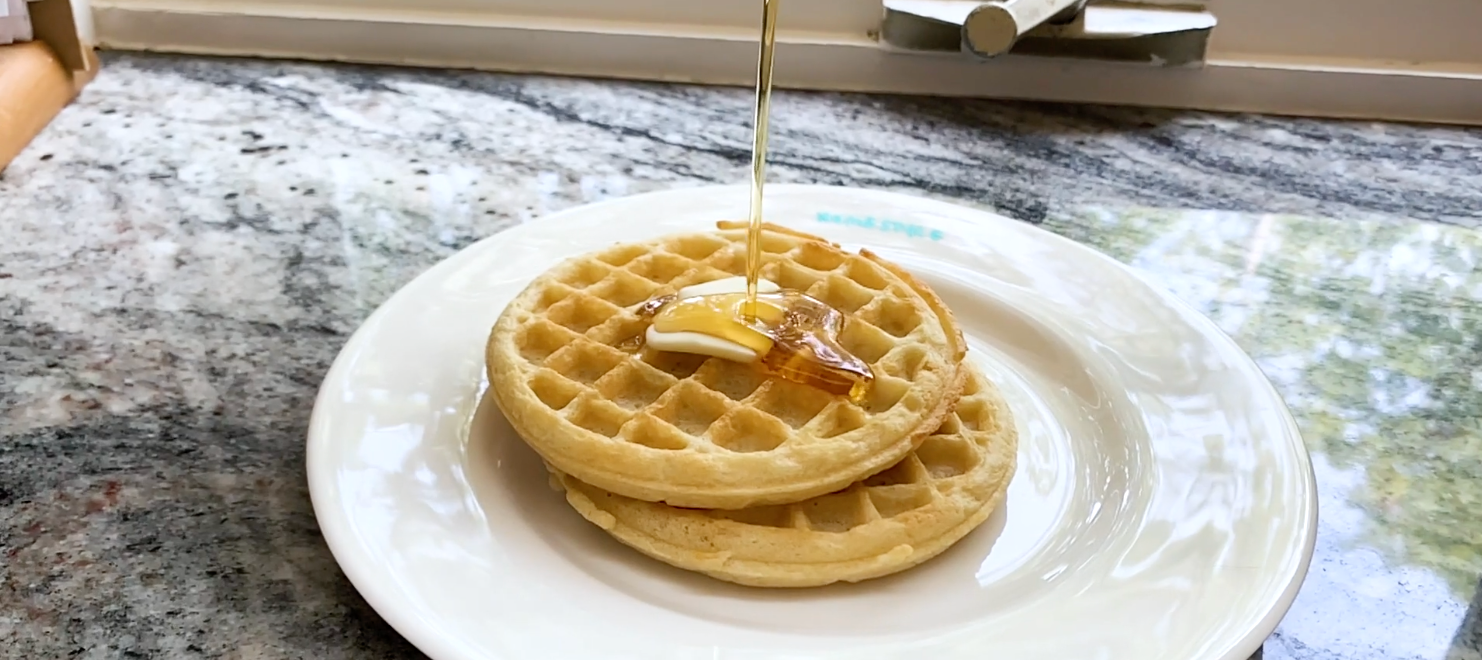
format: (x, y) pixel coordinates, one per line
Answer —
(704, 319)
(785, 333)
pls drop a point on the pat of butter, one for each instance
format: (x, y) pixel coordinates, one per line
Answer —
(699, 344)
(704, 344)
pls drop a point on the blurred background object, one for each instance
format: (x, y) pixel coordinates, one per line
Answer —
(15, 22)
(44, 63)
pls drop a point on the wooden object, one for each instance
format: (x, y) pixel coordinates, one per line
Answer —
(39, 78)
(56, 26)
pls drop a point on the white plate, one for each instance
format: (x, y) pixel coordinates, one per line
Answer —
(1164, 506)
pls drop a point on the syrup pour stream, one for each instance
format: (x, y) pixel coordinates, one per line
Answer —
(799, 335)
(759, 152)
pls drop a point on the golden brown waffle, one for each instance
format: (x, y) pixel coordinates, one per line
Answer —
(707, 432)
(882, 525)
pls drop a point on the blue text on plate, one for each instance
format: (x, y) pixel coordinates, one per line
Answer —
(889, 226)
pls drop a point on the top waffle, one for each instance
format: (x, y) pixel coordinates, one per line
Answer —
(693, 431)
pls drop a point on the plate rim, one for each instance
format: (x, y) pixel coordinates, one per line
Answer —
(339, 536)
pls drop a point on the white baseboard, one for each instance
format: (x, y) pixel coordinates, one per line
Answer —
(727, 56)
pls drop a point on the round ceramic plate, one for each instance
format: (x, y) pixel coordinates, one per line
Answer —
(1163, 507)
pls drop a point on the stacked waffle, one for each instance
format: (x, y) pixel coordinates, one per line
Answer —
(709, 464)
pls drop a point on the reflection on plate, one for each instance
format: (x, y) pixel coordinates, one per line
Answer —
(1162, 488)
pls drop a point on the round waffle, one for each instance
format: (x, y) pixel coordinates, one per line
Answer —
(885, 524)
(707, 432)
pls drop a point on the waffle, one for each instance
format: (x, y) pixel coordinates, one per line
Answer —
(885, 524)
(707, 432)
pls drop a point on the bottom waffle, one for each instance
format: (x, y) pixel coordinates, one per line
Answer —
(885, 524)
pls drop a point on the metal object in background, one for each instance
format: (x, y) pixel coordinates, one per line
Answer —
(1160, 35)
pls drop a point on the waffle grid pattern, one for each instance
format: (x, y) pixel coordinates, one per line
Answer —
(941, 464)
(575, 337)
(886, 523)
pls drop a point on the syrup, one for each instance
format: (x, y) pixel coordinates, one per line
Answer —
(759, 148)
(795, 336)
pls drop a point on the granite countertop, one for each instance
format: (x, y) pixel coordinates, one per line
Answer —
(188, 246)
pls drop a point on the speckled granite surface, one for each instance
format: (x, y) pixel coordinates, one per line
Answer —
(187, 247)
